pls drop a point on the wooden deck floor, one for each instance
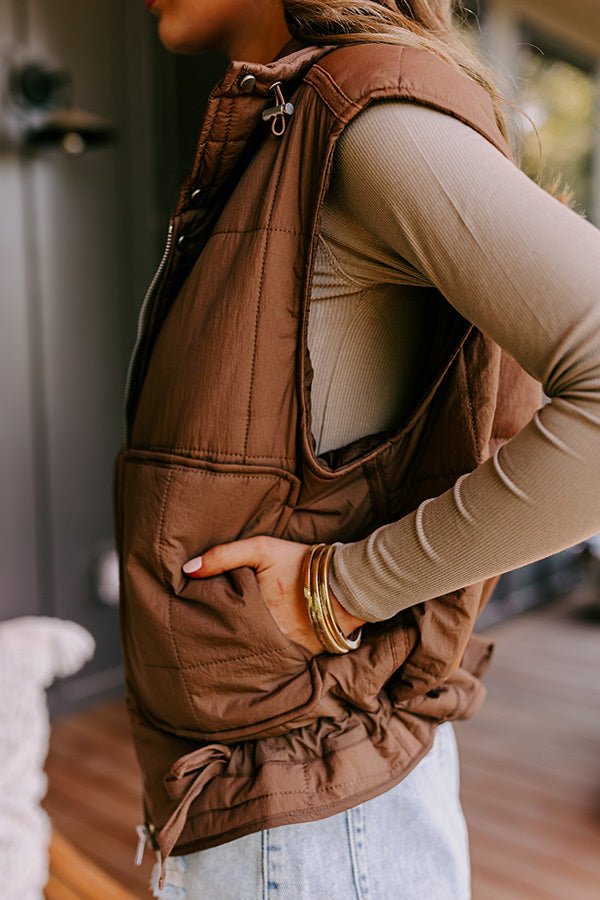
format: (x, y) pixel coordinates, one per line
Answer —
(530, 769)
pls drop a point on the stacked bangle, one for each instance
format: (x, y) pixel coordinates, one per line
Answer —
(318, 601)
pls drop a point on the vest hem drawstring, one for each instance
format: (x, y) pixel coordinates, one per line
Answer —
(185, 782)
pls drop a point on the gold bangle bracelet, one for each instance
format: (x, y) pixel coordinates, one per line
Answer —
(316, 612)
(318, 601)
(310, 597)
(346, 644)
(332, 643)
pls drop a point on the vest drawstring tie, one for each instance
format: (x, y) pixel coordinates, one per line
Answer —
(277, 114)
(185, 782)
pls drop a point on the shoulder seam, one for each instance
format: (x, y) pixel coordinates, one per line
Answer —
(332, 85)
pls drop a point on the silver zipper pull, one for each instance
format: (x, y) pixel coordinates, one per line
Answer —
(143, 838)
(276, 114)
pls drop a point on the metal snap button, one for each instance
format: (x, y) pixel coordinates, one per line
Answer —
(247, 83)
(195, 195)
(181, 240)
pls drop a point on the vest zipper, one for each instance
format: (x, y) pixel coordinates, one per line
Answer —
(146, 838)
(141, 324)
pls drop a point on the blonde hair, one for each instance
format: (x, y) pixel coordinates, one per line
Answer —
(423, 24)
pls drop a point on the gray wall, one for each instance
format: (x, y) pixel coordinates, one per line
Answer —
(77, 246)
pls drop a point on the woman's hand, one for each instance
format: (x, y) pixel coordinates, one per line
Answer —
(278, 566)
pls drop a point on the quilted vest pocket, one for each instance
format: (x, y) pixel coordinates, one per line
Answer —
(205, 657)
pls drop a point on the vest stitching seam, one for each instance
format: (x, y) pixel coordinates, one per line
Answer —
(161, 524)
(247, 473)
(321, 790)
(293, 813)
(259, 304)
(401, 85)
(319, 92)
(217, 662)
(165, 574)
(256, 328)
(333, 752)
(334, 87)
(174, 450)
(276, 478)
(306, 788)
(258, 228)
(225, 140)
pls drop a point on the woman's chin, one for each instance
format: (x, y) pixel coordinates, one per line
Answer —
(178, 40)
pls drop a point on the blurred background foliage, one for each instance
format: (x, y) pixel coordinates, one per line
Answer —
(556, 88)
(560, 99)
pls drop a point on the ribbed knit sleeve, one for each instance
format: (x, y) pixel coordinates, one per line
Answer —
(419, 186)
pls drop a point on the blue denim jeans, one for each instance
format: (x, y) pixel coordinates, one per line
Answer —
(408, 844)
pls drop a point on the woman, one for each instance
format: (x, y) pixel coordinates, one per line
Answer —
(320, 406)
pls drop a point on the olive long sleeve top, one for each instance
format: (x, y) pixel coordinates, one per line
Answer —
(418, 198)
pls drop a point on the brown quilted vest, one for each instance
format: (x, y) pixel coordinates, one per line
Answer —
(236, 728)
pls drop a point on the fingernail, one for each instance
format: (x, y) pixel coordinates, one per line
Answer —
(192, 565)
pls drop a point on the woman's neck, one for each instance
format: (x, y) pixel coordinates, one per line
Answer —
(260, 41)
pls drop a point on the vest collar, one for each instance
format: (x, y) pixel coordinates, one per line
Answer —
(233, 112)
(285, 68)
